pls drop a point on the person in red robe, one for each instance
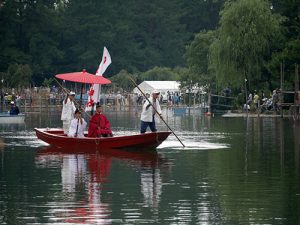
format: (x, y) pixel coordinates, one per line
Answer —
(99, 125)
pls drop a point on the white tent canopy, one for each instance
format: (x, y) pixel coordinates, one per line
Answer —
(162, 86)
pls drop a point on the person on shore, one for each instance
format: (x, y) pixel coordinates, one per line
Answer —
(18, 100)
(68, 111)
(5, 99)
(149, 114)
(256, 100)
(99, 124)
(9, 97)
(77, 126)
(161, 99)
(176, 99)
(275, 100)
(250, 99)
(14, 110)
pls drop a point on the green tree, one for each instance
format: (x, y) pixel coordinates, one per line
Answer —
(197, 56)
(18, 75)
(199, 15)
(12, 41)
(29, 33)
(138, 34)
(48, 82)
(287, 57)
(244, 38)
(286, 52)
(290, 10)
(122, 81)
(159, 73)
(55, 36)
(161, 40)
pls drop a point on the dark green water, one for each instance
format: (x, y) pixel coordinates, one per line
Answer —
(233, 171)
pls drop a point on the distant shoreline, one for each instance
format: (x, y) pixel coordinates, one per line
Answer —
(233, 115)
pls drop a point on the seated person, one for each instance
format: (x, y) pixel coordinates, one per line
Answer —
(99, 124)
(77, 126)
(14, 110)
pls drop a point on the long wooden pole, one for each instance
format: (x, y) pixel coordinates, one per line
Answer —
(155, 110)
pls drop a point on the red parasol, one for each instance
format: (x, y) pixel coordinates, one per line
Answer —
(83, 77)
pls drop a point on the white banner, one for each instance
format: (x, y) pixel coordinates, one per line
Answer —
(95, 90)
(105, 62)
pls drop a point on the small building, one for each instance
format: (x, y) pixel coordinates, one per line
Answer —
(162, 86)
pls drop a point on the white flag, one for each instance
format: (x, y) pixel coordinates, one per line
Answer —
(94, 93)
(105, 62)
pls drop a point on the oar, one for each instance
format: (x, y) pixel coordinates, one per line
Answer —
(77, 128)
(67, 91)
(155, 110)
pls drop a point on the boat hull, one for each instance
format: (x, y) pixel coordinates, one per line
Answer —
(55, 137)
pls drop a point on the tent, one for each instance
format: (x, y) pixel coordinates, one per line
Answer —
(162, 86)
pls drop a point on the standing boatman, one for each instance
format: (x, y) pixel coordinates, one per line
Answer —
(149, 114)
(68, 111)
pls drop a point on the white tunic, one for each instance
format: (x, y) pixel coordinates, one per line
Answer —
(73, 128)
(68, 110)
(147, 114)
(67, 114)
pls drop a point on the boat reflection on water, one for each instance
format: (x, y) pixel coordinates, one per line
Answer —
(149, 158)
(2, 144)
(85, 174)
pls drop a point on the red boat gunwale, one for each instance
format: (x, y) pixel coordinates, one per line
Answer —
(55, 137)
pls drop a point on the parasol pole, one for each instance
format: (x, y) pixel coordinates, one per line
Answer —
(155, 110)
(67, 91)
(99, 94)
(81, 90)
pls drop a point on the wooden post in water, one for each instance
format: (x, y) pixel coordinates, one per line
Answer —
(297, 93)
(200, 102)
(209, 102)
(40, 104)
(281, 88)
(296, 79)
(246, 96)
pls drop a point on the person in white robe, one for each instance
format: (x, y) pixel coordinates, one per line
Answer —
(68, 111)
(77, 126)
(149, 115)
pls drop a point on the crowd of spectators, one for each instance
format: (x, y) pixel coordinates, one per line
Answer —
(54, 96)
(259, 101)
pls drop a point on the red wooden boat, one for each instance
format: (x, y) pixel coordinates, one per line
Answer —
(56, 137)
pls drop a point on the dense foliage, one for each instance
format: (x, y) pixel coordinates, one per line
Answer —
(50, 36)
(253, 39)
(215, 43)
(245, 36)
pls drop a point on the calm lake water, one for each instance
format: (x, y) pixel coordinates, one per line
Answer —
(232, 171)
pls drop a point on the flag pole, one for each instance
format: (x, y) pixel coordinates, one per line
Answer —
(99, 94)
(105, 62)
(155, 110)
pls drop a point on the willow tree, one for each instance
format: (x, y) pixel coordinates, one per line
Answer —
(246, 32)
(197, 59)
